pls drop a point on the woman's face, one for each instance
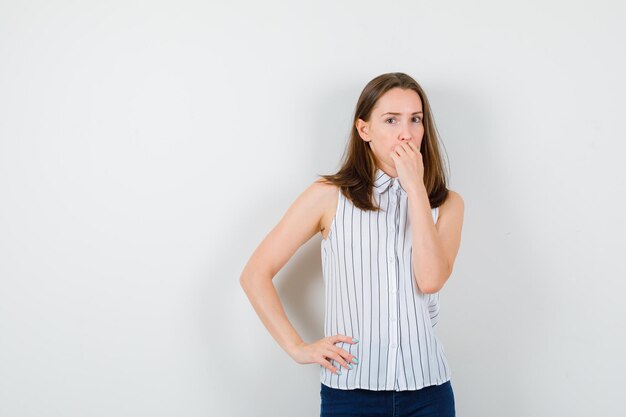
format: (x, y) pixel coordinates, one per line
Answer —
(396, 118)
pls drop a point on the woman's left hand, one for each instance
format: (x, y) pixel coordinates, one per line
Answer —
(409, 165)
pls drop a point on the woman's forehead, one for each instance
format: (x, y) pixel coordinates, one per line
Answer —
(398, 101)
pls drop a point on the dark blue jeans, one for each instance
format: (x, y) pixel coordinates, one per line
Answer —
(431, 401)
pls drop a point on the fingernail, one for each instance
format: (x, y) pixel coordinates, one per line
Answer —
(355, 360)
(338, 372)
(349, 366)
(354, 339)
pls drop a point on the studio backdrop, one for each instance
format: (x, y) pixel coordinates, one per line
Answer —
(146, 149)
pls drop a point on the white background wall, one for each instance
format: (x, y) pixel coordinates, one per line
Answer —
(146, 148)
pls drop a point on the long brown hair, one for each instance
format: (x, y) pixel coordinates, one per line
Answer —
(356, 175)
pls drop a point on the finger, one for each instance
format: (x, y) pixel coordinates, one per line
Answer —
(338, 359)
(326, 364)
(344, 338)
(347, 355)
(409, 146)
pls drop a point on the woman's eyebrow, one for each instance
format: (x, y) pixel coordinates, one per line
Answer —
(398, 114)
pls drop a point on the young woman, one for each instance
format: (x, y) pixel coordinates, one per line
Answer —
(391, 230)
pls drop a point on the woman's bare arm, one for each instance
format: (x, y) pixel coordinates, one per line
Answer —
(301, 222)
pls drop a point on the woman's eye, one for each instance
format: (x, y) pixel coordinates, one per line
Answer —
(416, 119)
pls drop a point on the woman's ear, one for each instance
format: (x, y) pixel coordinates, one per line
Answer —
(362, 128)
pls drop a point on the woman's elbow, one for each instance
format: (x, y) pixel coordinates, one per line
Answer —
(246, 280)
(243, 281)
(433, 286)
(250, 279)
(430, 288)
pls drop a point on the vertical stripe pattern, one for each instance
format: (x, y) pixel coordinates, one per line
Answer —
(370, 294)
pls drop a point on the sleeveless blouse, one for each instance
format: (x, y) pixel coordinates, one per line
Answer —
(370, 294)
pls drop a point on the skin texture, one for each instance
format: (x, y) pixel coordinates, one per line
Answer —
(395, 142)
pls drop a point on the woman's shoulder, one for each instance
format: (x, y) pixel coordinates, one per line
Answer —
(326, 192)
(453, 199)
(453, 204)
(319, 195)
(324, 183)
(324, 188)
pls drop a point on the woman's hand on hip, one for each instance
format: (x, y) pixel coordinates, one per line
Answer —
(324, 350)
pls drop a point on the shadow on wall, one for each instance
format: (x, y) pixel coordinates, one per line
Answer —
(301, 289)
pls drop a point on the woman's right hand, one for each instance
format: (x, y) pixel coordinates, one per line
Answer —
(324, 349)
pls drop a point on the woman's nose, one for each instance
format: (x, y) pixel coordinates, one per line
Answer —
(406, 133)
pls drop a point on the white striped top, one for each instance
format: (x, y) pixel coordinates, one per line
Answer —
(370, 294)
